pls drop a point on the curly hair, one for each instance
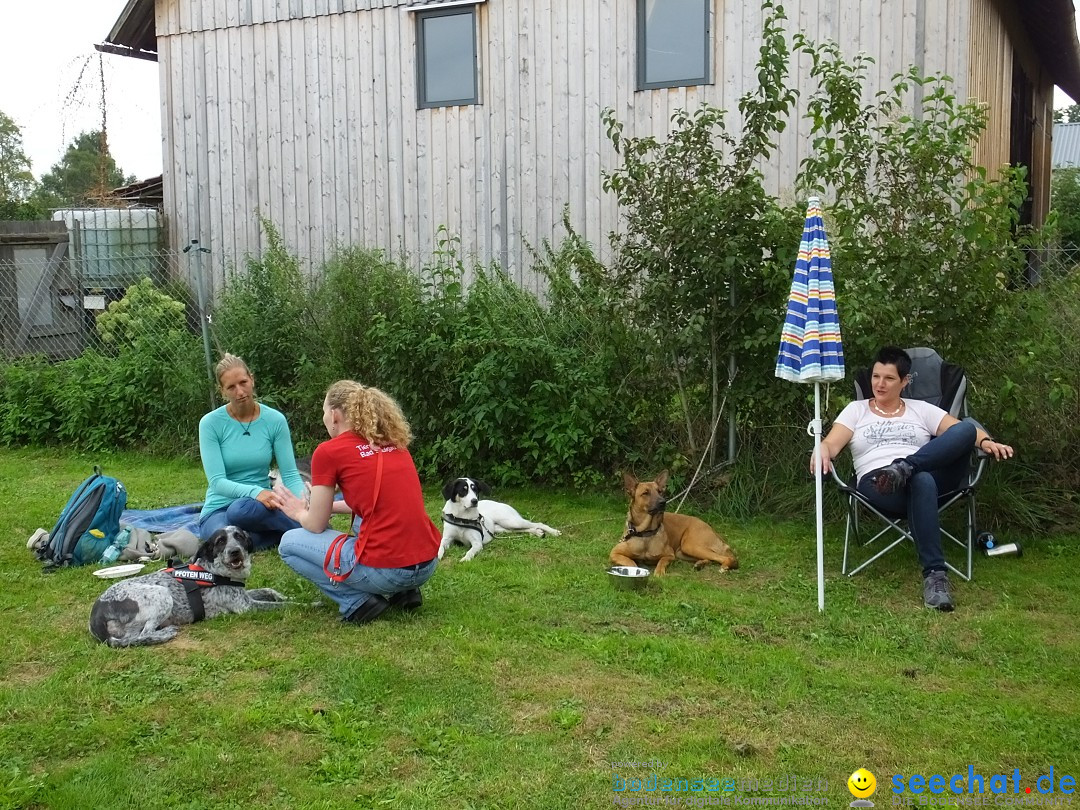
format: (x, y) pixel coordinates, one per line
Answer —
(227, 363)
(371, 413)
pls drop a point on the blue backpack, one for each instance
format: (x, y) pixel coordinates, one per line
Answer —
(88, 523)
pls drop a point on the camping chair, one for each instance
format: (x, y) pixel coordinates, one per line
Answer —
(945, 385)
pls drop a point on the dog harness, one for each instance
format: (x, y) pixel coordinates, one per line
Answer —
(465, 523)
(194, 578)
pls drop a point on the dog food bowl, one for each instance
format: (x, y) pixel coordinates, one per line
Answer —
(629, 578)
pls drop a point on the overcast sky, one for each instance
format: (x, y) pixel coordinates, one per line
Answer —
(50, 83)
(44, 47)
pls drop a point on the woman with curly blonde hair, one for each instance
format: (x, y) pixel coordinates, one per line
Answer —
(367, 458)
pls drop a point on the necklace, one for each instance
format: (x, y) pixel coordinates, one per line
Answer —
(882, 412)
(246, 426)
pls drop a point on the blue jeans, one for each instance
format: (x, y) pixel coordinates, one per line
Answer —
(304, 552)
(264, 526)
(939, 467)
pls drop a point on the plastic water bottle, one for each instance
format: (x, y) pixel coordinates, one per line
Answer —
(119, 543)
(991, 547)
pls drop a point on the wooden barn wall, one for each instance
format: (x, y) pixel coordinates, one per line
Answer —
(991, 82)
(998, 40)
(304, 112)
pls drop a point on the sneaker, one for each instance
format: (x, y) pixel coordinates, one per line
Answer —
(892, 478)
(936, 592)
(37, 540)
(372, 609)
(407, 600)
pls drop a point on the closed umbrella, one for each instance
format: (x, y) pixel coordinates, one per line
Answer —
(811, 350)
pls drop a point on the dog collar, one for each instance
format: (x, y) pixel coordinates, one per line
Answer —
(632, 532)
(466, 523)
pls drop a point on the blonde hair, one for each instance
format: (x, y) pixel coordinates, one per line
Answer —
(227, 363)
(371, 413)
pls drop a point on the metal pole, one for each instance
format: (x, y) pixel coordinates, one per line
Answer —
(731, 376)
(815, 429)
(204, 319)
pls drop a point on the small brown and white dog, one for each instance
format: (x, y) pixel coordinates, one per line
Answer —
(473, 522)
(652, 536)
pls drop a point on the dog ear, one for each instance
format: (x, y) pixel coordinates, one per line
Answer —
(481, 487)
(448, 488)
(205, 552)
(661, 480)
(629, 483)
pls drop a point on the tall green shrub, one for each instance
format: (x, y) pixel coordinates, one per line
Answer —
(923, 243)
(698, 254)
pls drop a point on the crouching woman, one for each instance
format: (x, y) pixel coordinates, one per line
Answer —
(367, 458)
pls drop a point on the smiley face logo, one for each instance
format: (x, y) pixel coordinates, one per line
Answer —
(862, 784)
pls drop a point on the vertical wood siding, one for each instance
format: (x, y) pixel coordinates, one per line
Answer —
(991, 82)
(304, 112)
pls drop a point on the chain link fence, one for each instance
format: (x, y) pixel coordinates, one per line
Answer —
(58, 279)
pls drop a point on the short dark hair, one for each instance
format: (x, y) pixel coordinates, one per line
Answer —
(894, 356)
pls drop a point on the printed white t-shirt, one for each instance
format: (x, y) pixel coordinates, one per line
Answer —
(878, 441)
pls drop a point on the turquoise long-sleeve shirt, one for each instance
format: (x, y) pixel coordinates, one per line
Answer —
(238, 465)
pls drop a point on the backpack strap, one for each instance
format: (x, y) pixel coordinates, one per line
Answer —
(333, 553)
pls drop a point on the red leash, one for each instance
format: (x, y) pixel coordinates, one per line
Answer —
(333, 554)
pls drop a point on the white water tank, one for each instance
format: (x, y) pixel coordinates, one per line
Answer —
(113, 247)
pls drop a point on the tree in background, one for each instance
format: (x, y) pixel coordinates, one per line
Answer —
(85, 175)
(1067, 115)
(16, 180)
(1065, 204)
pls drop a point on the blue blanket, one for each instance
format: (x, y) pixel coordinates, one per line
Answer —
(169, 518)
(166, 519)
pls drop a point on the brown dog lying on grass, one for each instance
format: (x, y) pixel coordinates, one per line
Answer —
(655, 537)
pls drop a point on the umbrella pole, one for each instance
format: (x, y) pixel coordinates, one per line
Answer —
(816, 427)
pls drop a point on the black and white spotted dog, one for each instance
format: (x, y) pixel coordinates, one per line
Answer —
(150, 609)
(473, 522)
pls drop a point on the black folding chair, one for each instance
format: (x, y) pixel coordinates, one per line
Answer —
(945, 385)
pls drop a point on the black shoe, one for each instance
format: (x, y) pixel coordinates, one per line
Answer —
(892, 478)
(407, 600)
(372, 609)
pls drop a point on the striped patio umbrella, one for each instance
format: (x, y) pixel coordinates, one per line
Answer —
(811, 350)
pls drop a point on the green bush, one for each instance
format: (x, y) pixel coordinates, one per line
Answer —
(148, 391)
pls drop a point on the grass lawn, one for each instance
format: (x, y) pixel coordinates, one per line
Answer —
(525, 677)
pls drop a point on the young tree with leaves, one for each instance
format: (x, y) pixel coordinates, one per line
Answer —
(16, 180)
(84, 176)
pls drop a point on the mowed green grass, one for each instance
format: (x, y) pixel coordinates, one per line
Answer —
(526, 675)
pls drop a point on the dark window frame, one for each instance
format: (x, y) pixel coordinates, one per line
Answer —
(642, 84)
(422, 102)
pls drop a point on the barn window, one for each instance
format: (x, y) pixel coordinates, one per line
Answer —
(446, 56)
(673, 43)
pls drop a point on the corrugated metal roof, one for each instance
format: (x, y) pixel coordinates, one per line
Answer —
(1065, 151)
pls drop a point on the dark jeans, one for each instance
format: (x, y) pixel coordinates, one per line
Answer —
(264, 526)
(939, 467)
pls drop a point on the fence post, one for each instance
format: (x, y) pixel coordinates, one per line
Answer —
(204, 318)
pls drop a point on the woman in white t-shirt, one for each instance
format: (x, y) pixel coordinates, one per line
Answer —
(907, 453)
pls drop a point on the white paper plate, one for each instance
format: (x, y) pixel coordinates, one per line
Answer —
(117, 571)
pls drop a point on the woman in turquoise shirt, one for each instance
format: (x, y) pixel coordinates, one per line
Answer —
(237, 443)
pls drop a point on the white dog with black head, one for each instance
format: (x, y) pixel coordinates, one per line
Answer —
(473, 522)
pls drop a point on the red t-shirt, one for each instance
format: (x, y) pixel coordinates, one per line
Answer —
(398, 531)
